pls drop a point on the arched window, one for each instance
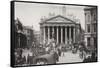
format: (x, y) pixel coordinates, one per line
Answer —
(88, 27)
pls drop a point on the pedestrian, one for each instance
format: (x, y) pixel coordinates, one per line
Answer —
(59, 52)
(30, 57)
(25, 54)
(62, 49)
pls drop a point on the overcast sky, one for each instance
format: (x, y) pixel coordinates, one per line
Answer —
(30, 13)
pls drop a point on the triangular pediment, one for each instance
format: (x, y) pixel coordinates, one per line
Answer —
(59, 19)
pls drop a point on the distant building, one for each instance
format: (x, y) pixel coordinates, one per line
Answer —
(91, 27)
(37, 37)
(28, 31)
(20, 38)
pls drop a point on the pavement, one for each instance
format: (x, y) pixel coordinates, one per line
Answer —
(70, 58)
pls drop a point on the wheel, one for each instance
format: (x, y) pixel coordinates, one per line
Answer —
(41, 61)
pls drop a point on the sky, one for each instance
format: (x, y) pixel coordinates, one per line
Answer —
(30, 14)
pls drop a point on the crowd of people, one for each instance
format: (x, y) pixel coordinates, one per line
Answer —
(25, 55)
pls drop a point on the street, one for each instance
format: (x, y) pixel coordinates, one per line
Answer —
(69, 58)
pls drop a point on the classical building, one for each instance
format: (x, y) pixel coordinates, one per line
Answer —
(62, 29)
(91, 27)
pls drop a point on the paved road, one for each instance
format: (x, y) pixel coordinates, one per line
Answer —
(69, 58)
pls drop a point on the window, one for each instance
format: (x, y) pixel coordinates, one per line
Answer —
(28, 41)
(94, 16)
(88, 27)
(95, 42)
(28, 31)
(88, 41)
(95, 27)
(88, 19)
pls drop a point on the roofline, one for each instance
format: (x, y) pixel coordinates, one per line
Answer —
(91, 8)
(59, 23)
(58, 16)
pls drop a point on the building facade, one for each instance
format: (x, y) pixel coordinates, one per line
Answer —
(62, 29)
(37, 37)
(20, 37)
(91, 27)
(28, 31)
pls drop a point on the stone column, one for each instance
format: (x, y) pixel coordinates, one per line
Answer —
(65, 35)
(69, 35)
(52, 32)
(57, 33)
(48, 32)
(41, 35)
(61, 34)
(74, 35)
(44, 35)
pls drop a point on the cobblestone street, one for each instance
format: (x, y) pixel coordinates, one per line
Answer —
(69, 58)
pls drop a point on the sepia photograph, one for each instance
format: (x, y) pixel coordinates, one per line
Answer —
(52, 33)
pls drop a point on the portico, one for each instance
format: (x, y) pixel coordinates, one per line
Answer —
(62, 29)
